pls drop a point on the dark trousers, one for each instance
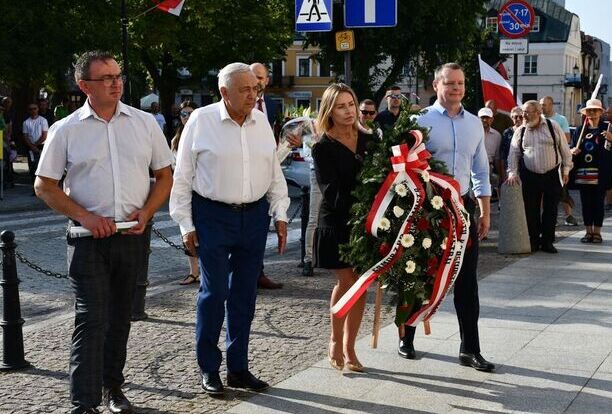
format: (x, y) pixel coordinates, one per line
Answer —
(33, 159)
(541, 195)
(232, 245)
(592, 199)
(102, 274)
(466, 300)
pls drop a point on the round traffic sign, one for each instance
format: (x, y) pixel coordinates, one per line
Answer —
(515, 18)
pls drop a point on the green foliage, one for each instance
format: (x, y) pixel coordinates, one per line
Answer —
(410, 286)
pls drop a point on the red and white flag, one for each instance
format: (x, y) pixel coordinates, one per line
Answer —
(171, 6)
(495, 87)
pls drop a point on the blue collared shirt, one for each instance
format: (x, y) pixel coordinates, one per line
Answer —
(459, 142)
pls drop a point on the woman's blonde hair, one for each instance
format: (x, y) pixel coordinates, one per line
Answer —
(324, 120)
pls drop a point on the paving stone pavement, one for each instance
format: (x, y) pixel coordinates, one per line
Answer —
(290, 333)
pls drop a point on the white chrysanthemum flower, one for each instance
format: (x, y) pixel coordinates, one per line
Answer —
(398, 211)
(437, 202)
(425, 176)
(407, 240)
(410, 266)
(401, 190)
(426, 243)
(384, 224)
(443, 245)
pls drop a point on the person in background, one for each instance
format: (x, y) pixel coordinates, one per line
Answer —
(61, 111)
(45, 111)
(540, 159)
(185, 110)
(516, 114)
(159, 117)
(338, 158)
(35, 129)
(501, 121)
(367, 111)
(548, 109)
(386, 119)
(492, 145)
(593, 166)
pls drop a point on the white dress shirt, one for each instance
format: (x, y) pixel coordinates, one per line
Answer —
(33, 128)
(223, 161)
(107, 163)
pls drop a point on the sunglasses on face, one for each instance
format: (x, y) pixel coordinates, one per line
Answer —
(398, 96)
(364, 112)
(185, 114)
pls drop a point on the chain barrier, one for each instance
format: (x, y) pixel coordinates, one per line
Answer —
(39, 269)
(167, 241)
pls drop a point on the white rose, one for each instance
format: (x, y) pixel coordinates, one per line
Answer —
(426, 243)
(410, 266)
(407, 240)
(437, 202)
(401, 190)
(384, 224)
(425, 176)
(398, 211)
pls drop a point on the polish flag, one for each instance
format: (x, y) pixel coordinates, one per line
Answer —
(171, 6)
(495, 87)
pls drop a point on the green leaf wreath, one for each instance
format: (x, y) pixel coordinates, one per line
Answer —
(411, 278)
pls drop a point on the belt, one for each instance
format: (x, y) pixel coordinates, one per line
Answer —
(232, 207)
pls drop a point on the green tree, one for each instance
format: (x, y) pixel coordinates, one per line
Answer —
(431, 32)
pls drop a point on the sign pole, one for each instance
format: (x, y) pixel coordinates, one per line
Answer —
(347, 68)
(515, 80)
(124, 51)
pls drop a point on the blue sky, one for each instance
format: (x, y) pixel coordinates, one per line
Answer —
(595, 17)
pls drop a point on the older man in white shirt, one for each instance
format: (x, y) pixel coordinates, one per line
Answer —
(227, 183)
(107, 149)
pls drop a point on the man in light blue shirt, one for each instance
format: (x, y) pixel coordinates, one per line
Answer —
(457, 138)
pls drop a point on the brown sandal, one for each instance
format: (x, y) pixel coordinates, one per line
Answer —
(596, 238)
(189, 279)
(588, 238)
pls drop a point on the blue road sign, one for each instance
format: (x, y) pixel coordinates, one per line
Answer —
(370, 13)
(515, 18)
(313, 15)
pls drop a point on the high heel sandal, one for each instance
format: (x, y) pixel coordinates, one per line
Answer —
(354, 366)
(334, 362)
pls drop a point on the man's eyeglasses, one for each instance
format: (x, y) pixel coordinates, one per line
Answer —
(364, 112)
(395, 96)
(185, 114)
(108, 80)
(517, 117)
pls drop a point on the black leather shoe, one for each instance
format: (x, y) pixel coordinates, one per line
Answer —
(406, 349)
(476, 361)
(307, 270)
(116, 401)
(549, 248)
(211, 383)
(244, 379)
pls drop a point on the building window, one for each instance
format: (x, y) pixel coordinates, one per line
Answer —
(536, 25)
(318, 104)
(531, 65)
(302, 103)
(324, 69)
(491, 24)
(530, 97)
(303, 66)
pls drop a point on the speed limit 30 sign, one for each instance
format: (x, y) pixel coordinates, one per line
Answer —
(515, 19)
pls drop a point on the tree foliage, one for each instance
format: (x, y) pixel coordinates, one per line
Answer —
(431, 31)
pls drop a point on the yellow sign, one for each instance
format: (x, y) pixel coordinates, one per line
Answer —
(345, 41)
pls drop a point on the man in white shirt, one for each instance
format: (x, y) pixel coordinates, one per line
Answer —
(106, 149)
(227, 183)
(35, 129)
(493, 146)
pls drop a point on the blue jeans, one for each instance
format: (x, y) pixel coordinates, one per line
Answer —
(231, 249)
(102, 274)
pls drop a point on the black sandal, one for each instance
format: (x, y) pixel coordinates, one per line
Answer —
(596, 238)
(189, 279)
(588, 238)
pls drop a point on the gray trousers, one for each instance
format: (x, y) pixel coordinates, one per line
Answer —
(102, 275)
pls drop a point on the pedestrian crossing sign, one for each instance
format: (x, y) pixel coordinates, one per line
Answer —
(313, 15)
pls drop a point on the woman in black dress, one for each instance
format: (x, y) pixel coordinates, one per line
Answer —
(593, 168)
(338, 157)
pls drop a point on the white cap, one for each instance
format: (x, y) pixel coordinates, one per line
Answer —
(485, 112)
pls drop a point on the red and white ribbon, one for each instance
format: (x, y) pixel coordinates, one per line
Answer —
(407, 164)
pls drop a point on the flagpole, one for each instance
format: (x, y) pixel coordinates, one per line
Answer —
(515, 80)
(124, 51)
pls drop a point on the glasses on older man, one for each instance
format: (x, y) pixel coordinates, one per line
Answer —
(108, 80)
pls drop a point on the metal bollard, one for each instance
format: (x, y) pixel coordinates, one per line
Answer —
(12, 343)
(304, 217)
(142, 281)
